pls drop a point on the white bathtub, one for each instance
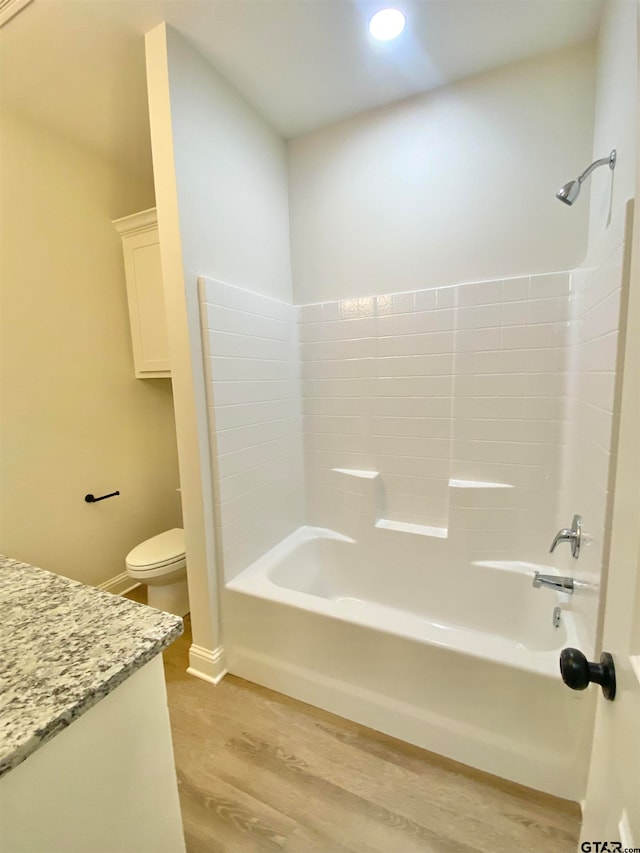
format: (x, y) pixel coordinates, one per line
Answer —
(460, 659)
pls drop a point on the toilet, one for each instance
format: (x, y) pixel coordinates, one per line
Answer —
(161, 564)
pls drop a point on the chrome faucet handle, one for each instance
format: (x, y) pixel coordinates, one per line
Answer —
(572, 535)
(564, 535)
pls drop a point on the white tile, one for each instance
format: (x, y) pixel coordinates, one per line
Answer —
(358, 308)
(310, 313)
(408, 407)
(338, 406)
(243, 481)
(415, 365)
(485, 518)
(421, 344)
(484, 293)
(221, 295)
(416, 427)
(422, 487)
(414, 466)
(395, 303)
(479, 317)
(597, 354)
(515, 313)
(515, 289)
(228, 368)
(228, 393)
(548, 310)
(416, 510)
(431, 448)
(487, 429)
(511, 453)
(336, 424)
(243, 346)
(419, 322)
(549, 285)
(241, 438)
(471, 363)
(240, 322)
(352, 368)
(412, 386)
(597, 389)
(338, 387)
(543, 360)
(330, 442)
(246, 414)
(251, 457)
(319, 350)
(330, 311)
(475, 340)
(602, 318)
(446, 297)
(427, 300)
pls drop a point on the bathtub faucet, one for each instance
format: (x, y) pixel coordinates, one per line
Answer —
(556, 582)
(572, 534)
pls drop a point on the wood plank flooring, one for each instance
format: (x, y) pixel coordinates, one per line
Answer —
(259, 771)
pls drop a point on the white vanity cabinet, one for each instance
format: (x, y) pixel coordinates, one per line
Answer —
(141, 247)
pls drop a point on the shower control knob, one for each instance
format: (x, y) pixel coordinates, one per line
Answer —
(577, 672)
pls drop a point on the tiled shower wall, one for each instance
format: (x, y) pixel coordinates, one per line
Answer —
(591, 404)
(253, 392)
(436, 412)
(456, 396)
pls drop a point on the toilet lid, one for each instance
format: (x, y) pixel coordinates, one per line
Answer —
(167, 547)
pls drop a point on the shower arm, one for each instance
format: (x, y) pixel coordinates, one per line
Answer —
(603, 161)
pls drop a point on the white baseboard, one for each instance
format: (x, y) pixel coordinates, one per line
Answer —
(119, 585)
(209, 665)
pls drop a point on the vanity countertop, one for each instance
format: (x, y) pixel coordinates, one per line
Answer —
(64, 646)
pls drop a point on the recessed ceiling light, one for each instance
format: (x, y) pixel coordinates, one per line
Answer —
(387, 24)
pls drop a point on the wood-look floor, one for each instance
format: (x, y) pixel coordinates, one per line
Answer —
(259, 771)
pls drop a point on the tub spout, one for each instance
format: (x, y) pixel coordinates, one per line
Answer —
(556, 582)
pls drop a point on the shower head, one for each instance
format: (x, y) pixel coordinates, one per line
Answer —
(570, 191)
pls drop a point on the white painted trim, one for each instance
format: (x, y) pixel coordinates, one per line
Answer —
(187, 369)
(10, 8)
(209, 665)
(624, 830)
(137, 223)
(119, 584)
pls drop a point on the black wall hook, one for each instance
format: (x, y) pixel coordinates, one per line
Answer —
(91, 499)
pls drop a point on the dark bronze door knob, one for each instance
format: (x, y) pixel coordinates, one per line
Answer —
(577, 672)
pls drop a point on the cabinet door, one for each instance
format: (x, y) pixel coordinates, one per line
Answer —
(146, 304)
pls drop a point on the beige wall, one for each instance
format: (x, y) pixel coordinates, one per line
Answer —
(451, 186)
(74, 418)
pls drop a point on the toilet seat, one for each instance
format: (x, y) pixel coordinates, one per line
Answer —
(161, 554)
(161, 564)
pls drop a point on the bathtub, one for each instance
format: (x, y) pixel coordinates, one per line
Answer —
(461, 661)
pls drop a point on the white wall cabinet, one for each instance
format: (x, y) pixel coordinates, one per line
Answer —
(141, 247)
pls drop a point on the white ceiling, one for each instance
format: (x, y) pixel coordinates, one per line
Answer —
(78, 65)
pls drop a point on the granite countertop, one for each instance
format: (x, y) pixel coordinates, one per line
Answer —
(64, 646)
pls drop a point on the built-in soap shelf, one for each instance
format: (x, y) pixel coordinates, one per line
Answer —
(354, 472)
(477, 484)
(374, 494)
(408, 527)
